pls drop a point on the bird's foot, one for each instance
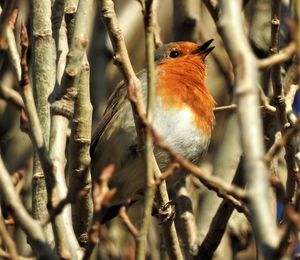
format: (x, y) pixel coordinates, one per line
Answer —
(167, 212)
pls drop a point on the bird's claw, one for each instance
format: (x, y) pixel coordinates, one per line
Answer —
(167, 212)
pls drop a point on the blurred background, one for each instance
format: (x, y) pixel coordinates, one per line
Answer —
(177, 21)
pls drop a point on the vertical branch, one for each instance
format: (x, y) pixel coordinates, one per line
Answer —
(279, 102)
(35, 127)
(60, 38)
(297, 10)
(251, 126)
(79, 156)
(186, 218)
(278, 94)
(44, 57)
(43, 76)
(149, 194)
(121, 59)
(5, 31)
(62, 111)
(13, 52)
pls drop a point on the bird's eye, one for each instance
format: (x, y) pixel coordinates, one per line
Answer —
(174, 54)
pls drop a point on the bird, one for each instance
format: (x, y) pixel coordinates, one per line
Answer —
(183, 116)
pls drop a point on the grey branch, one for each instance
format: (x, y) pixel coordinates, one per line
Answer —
(251, 126)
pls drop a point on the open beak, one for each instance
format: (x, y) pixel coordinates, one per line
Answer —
(204, 49)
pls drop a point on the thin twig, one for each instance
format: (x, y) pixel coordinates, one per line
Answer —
(278, 94)
(219, 222)
(8, 241)
(102, 197)
(266, 107)
(151, 83)
(127, 222)
(277, 58)
(167, 173)
(121, 59)
(281, 141)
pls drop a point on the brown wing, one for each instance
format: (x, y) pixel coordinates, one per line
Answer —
(114, 102)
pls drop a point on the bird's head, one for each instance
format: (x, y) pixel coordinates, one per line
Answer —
(180, 51)
(181, 74)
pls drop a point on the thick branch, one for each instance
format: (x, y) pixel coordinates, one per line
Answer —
(256, 175)
(62, 111)
(43, 81)
(79, 157)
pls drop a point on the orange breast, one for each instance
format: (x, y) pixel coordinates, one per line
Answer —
(181, 83)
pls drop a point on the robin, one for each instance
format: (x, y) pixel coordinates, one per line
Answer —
(183, 117)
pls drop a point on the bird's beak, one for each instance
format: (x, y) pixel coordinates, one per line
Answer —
(204, 49)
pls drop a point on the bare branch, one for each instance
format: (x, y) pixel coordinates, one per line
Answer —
(12, 96)
(31, 227)
(8, 241)
(127, 222)
(279, 101)
(5, 22)
(121, 58)
(251, 126)
(79, 155)
(13, 53)
(219, 223)
(102, 196)
(151, 82)
(284, 55)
